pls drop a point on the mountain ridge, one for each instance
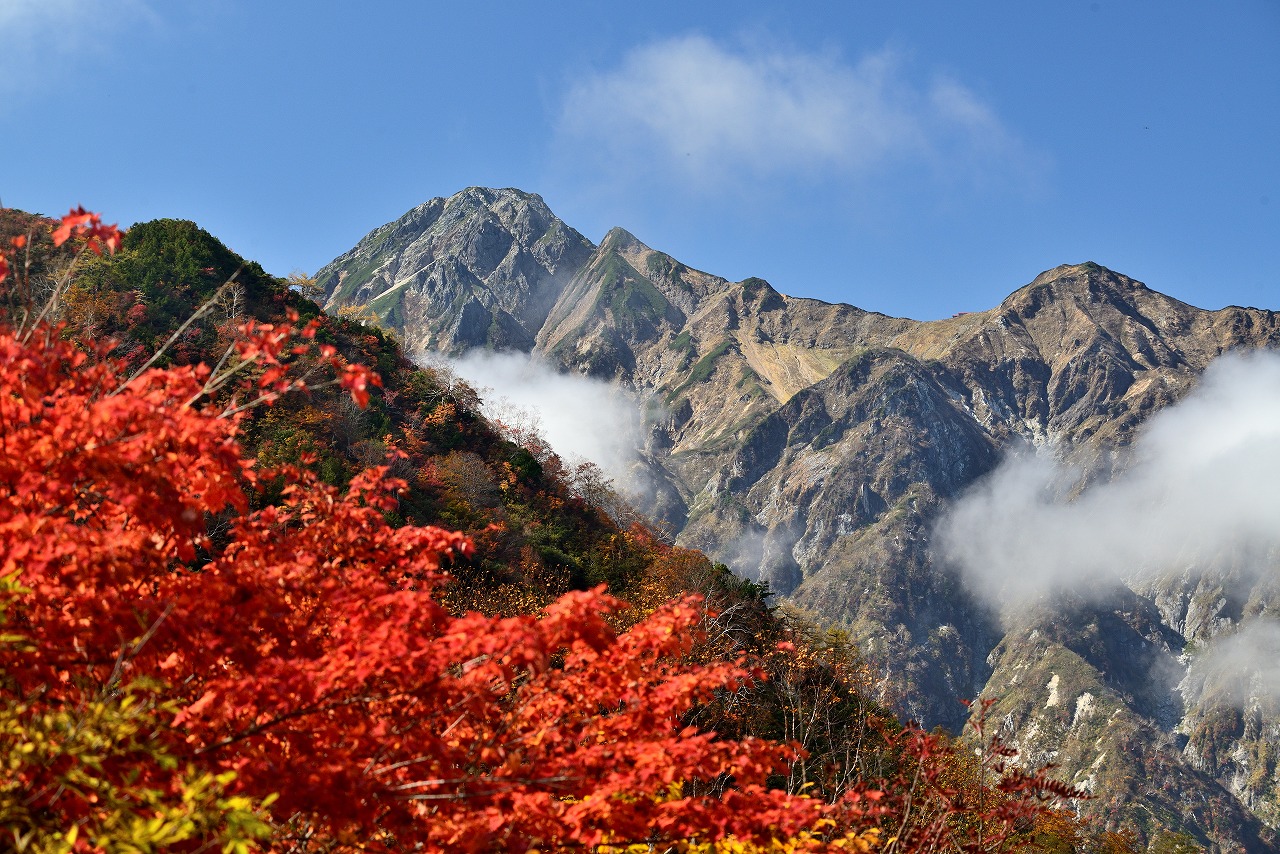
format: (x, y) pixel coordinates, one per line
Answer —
(813, 445)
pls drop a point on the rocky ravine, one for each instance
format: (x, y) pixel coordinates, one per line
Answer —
(814, 445)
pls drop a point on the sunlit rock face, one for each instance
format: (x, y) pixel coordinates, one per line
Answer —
(480, 269)
(817, 447)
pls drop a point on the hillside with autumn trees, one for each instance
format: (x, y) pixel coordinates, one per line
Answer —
(265, 585)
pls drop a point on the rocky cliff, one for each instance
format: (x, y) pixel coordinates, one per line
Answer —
(480, 269)
(814, 446)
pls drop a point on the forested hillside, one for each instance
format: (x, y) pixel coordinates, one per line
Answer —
(268, 585)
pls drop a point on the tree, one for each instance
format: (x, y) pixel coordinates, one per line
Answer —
(298, 676)
(200, 652)
(307, 286)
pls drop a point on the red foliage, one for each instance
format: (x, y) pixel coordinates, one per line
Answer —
(308, 653)
(942, 800)
(89, 226)
(305, 647)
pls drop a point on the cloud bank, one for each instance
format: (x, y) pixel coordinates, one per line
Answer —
(1203, 482)
(580, 417)
(708, 113)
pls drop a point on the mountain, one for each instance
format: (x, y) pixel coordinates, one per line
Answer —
(480, 269)
(815, 446)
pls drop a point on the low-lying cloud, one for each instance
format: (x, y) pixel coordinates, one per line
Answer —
(706, 111)
(580, 418)
(1203, 481)
(1240, 667)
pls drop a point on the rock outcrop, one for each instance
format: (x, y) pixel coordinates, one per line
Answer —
(480, 269)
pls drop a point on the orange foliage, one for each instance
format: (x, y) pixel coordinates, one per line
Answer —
(309, 656)
(308, 660)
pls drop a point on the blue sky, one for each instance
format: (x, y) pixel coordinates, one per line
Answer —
(915, 158)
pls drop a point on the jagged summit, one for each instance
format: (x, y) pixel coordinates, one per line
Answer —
(1080, 351)
(481, 268)
(1087, 281)
(621, 240)
(1085, 268)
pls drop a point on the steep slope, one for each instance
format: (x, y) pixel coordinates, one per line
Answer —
(1093, 689)
(480, 269)
(814, 446)
(1082, 353)
(830, 497)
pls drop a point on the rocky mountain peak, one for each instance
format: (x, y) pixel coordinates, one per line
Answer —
(524, 215)
(618, 239)
(481, 268)
(1086, 287)
(1085, 269)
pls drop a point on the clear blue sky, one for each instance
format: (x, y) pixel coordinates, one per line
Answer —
(915, 158)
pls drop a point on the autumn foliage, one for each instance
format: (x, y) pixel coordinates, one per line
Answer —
(198, 651)
(306, 662)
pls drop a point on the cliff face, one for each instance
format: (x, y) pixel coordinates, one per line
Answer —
(480, 269)
(1083, 353)
(815, 446)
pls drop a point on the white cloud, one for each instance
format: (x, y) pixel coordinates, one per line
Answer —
(1203, 483)
(580, 417)
(1240, 667)
(707, 113)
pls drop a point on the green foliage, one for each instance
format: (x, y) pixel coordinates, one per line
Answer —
(1168, 842)
(353, 281)
(704, 366)
(632, 299)
(164, 271)
(614, 564)
(665, 267)
(526, 465)
(81, 751)
(389, 308)
(739, 587)
(702, 369)
(753, 287)
(829, 434)
(177, 265)
(682, 343)
(173, 253)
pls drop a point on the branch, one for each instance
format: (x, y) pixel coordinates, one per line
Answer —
(196, 315)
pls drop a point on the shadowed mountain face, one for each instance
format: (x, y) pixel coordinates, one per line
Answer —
(814, 446)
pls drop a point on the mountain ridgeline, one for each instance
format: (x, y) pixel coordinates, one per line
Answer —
(815, 446)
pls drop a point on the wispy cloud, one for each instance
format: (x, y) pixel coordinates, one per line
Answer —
(41, 38)
(1203, 485)
(1239, 667)
(701, 111)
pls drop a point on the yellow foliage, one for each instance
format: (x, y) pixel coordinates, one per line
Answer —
(360, 313)
(865, 842)
(77, 755)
